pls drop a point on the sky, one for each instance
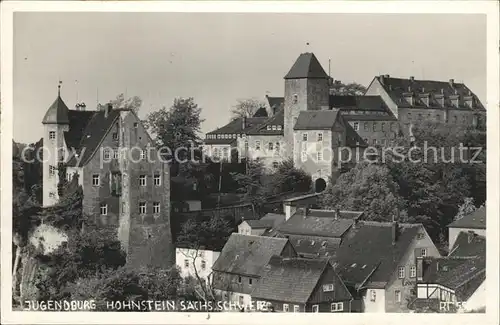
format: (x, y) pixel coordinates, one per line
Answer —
(219, 58)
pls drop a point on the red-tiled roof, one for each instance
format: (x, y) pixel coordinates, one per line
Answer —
(306, 66)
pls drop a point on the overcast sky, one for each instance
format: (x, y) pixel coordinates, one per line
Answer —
(220, 58)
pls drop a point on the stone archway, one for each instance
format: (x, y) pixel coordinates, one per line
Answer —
(319, 185)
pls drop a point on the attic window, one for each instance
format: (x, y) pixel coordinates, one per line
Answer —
(353, 265)
(269, 128)
(363, 266)
(298, 241)
(274, 127)
(312, 242)
(323, 244)
(279, 127)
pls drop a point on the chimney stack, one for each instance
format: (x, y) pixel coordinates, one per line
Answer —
(243, 122)
(412, 78)
(107, 109)
(382, 79)
(394, 232)
(337, 213)
(452, 82)
(306, 210)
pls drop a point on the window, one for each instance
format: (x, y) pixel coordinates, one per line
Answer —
(240, 300)
(295, 98)
(52, 195)
(277, 146)
(271, 146)
(423, 252)
(186, 263)
(374, 126)
(315, 308)
(374, 142)
(142, 180)
(156, 207)
(52, 170)
(356, 126)
(303, 156)
(401, 272)
(328, 287)
(420, 236)
(115, 136)
(136, 125)
(157, 180)
(203, 264)
(275, 164)
(257, 145)
(337, 306)
(250, 281)
(320, 156)
(274, 127)
(413, 271)
(106, 153)
(320, 136)
(285, 308)
(304, 136)
(143, 154)
(225, 152)
(279, 127)
(52, 135)
(397, 295)
(296, 308)
(95, 180)
(373, 295)
(103, 209)
(365, 126)
(216, 152)
(268, 128)
(116, 153)
(239, 279)
(142, 208)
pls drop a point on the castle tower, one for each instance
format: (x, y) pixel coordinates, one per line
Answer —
(55, 123)
(306, 88)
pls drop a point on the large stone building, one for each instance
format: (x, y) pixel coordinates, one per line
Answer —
(124, 182)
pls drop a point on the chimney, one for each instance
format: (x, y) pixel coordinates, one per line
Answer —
(394, 232)
(412, 78)
(452, 82)
(387, 76)
(420, 268)
(107, 109)
(382, 79)
(337, 213)
(83, 106)
(306, 210)
(243, 122)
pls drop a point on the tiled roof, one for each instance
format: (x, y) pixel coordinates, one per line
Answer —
(276, 119)
(261, 112)
(464, 275)
(306, 66)
(469, 245)
(247, 255)
(236, 126)
(362, 108)
(316, 120)
(275, 102)
(95, 131)
(77, 123)
(368, 247)
(314, 246)
(57, 113)
(474, 220)
(316, 223)
(396, 87)
(289, 279)
(220, 141)
(260, 224)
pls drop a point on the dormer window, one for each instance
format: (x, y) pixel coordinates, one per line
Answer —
(269, 128)
(279, 127)
(274, 127)
(454, 100)
(295, 98)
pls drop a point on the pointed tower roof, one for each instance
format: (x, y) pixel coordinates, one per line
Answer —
(306, 66)
(57, 112)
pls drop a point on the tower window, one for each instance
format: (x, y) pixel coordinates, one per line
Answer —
(320, 136)
(157, 180)
(106, 154)
(320, 156)
(274, 127)
(115, 136)
(142, 180)
(156, 208)
(279, 127)
(142, 207)
(143, 154)
(103, 209)
(95, 180)
(295, 98)
(52, 170)
(356, 126)
(52, 135)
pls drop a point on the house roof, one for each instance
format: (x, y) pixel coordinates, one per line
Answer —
(316, 120)
(290, 279)
(396, 87)
(78, 121)
(469, 245)
(261, 112)
(306, 66)
(276, 119)
(362, 108)
(247, 255)
(57, 112)
(367, 250)
(91, 136)
(316, 223)
(474, 220)
(462, 274)
(260, 224)
(314, 246)
(275, 102)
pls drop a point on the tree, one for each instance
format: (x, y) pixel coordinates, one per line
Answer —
(196, 235)
(353, 88)
(252, 183)
(466, 208)
(367, 187)
(246, 108)
(288, 178)
(132, 103)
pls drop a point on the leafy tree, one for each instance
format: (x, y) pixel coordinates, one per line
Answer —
(367, 187)
(353, 88)
(466, 208)
(288, 178)
(252, 183)
(133, 103)
(246, 108)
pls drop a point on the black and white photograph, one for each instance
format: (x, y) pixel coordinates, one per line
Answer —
(215, 163)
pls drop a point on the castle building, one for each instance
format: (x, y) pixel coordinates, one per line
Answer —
(125, 183)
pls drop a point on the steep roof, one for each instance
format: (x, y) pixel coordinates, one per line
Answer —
(275, 102)
(468, 245)
(362, 108)
(235, 127)
(306, 66)
(78, 121)
(276, 119)
(368, 248)
(290, 279)
(316, 120)
(57, 113)
(396, 87)
(314, 246)
(91, 136)
(270, 220)
(247, 255)
(474, 220)
(316, 223)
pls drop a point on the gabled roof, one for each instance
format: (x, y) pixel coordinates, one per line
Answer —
(261, 112)
(316, 223)
(270, 220)
(275, 102)
(469, 245)
(314, 246)
(367, 254)
(474, 220)
(92, 135)
(236, 127)
(362, 108)
(290, 279)
(276, 119)
(247, 255)
(57, 113)
(78, 121)
(306, 66)
(396, 87)
(316, 120)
